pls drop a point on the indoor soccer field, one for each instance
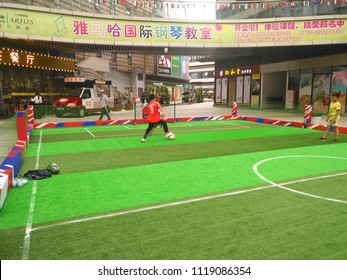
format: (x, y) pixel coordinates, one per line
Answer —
(220, 190)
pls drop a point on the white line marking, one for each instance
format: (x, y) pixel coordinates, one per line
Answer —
(90, 132)
(255, 169)
(166, 205)
(127, 127)
(28, 228)
(177, 129)
(239, 125)
(150, 208)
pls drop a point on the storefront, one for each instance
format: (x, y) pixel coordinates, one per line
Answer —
(163, 86)
(240, 84)
(24, 73)
(315, 86)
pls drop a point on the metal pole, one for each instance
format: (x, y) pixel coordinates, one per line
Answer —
(174, 109)
(134, 110)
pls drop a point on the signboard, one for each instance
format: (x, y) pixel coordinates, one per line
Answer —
(239, 71)
(63, 27)
(34, 60)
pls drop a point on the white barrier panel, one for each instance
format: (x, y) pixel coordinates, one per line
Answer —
(3, 187)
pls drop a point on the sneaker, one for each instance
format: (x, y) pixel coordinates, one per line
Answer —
(168, 134)
(143, 140)
(335, 140)
(322, 139)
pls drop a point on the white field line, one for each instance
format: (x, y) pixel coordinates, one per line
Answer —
(171, 204)
(184, 124)
(174, 130)
(281, 186)
(28, 228)
(90, 132)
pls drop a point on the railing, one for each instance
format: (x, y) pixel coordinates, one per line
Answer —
(195, 10)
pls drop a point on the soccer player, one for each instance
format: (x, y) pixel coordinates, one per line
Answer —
(333, 117)
(154, 118)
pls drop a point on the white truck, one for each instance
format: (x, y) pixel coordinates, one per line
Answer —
(82, 97)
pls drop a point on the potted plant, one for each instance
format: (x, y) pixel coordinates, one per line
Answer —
(129, 105)
(117, 105)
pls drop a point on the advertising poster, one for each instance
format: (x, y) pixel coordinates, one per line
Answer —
(218, 90)
(247, 90)
(224, 89)
(305, 90)
(320, 93)
(339, 84)
(175, 66)
(255, 87)
(255, 101)
(239, 89)
(255, 92)
(185, 66)
(164, 64)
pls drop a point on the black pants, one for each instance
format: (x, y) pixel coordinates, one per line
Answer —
(38, 114)
(152, 125)
(104, 112)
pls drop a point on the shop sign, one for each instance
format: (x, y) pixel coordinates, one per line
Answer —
(21, 58)
(239, 71)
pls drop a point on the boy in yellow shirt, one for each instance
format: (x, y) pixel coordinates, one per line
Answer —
(333, 117)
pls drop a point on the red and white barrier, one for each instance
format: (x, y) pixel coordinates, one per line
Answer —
(234, 109)
(307, 116)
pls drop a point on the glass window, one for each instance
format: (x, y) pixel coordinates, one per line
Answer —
(294, 80)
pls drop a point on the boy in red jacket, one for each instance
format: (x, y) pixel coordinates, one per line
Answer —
(154, 118)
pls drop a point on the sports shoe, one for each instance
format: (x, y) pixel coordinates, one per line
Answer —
(143, 140)
(168, 134)
(335, 140)
(322, 139)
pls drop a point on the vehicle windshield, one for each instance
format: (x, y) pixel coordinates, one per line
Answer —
(74, 92)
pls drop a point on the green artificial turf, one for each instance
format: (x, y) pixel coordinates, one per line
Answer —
(113, 171)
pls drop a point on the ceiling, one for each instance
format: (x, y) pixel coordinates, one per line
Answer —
(240, 56)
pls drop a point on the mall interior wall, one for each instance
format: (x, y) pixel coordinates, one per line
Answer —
(312, 62)
(273, 89)
(274, 76)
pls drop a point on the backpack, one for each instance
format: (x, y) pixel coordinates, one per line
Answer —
(38, 174)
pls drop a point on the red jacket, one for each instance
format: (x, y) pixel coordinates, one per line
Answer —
(153, 112)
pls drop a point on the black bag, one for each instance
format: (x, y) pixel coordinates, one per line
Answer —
(38, 174)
